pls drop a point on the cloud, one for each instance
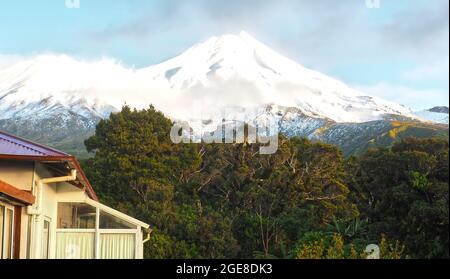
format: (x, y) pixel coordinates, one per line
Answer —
(432, 71)
(421, 35)
(8, 60)
(418, 29)
(410, 97)
(316, 33)
(321, 34)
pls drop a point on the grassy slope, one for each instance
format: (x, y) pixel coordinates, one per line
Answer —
(402, 130)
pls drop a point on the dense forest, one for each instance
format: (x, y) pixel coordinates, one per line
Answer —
(305, 201)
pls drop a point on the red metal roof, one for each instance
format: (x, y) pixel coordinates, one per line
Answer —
(16, 148)
(12, 145)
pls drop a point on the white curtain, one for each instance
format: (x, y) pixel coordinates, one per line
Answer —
(117, 246)
(75, 245)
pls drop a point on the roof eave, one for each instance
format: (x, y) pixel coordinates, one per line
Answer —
(16, 193)
(69, 159)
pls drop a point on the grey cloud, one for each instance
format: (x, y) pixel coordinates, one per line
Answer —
(417, 27)
(421, 34)
(318, 34)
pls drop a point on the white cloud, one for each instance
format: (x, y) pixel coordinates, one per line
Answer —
(438, 70)
(412, 98)
(318, 34)
(8, 60)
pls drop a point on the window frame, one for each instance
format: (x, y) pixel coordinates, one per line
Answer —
(57, 216)
(3, 248)
(98, 231)
(49, 235)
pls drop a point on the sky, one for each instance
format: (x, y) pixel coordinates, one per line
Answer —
(394, 49)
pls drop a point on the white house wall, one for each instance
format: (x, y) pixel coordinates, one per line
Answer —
(17, 173)
(52, 194)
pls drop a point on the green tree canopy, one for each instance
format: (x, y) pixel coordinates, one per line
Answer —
(403, 191)
(227, 200)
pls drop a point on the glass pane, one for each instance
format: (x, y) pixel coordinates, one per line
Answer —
(2, 218)
(75, 245)
(108, 221)
(45, 239)
(7, 245)
(117, 246)
(76, 216)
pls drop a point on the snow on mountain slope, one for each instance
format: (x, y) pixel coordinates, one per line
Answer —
(436, 115)
(230, 71)
(216, 66)
(47, 82)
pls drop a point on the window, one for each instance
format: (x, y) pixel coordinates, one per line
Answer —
(108, 221)
(76, 216)
(2, 218)
(91, 230)
(45, 239)
(6, 231)
(75, 245)
(117, 246)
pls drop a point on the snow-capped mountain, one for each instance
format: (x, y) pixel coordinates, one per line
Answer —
(229, 70)
(435, 114)
(231, 74)
(235, 70)
(47, 82)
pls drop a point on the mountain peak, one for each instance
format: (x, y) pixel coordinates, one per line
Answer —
(230, 68)
(242, 36)
(222, 58)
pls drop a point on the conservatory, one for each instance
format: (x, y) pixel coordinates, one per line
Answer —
(91, 230)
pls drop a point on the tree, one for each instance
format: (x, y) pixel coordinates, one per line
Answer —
(322, 246)
(137, 169)
(403, 191)
(306, 200)
(265, 194)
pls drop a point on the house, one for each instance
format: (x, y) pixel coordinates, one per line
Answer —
(49, 210)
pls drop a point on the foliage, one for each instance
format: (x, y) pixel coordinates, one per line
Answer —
(403, 192)
(391, 250)
(304, 201)
(323, 246)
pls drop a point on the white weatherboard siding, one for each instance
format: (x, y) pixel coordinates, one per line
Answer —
(18, 173)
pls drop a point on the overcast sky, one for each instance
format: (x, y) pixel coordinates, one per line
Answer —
(398, 51)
